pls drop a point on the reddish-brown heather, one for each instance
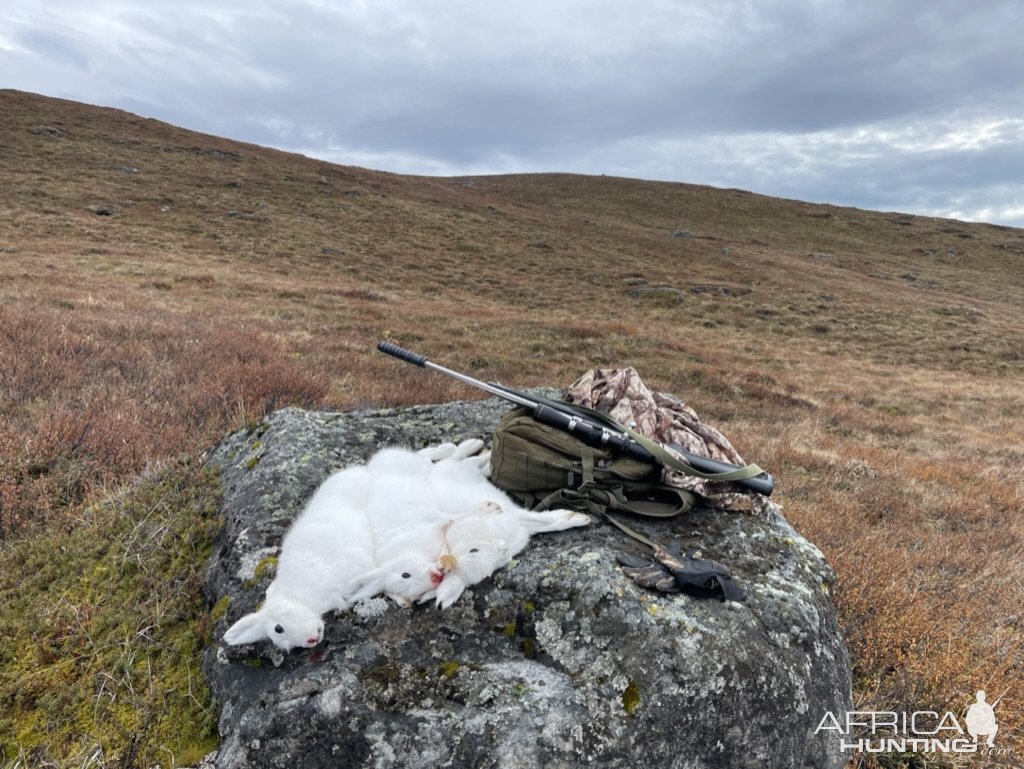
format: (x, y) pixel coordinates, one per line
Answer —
(872, 361)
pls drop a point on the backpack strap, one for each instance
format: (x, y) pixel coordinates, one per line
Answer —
(669, 460)
(656, 502)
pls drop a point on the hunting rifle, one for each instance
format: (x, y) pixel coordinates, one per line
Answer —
(599, 430)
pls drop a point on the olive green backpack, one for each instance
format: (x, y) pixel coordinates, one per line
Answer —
(544, 468)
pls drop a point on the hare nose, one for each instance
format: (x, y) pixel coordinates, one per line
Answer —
(313, 641)
(446, 563)
(436, 577)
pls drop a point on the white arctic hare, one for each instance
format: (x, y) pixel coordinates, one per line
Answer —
(407, 519)
(461, 488)
(479, 545)
(487, 528)
(402, 515)
(327, 546)
(336, 553)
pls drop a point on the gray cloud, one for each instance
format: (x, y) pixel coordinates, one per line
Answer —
(915, 106)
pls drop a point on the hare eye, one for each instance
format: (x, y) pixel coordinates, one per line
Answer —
(406, 575)
(278, 629)
(474, 550)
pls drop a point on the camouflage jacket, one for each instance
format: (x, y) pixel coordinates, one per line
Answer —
(622, 395)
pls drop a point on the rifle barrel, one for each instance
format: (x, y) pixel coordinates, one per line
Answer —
(421, 360)
(553, 413)
(1000, 697)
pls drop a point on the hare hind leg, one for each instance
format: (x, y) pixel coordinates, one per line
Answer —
(466, 449)
(449, 450)
(553, 520)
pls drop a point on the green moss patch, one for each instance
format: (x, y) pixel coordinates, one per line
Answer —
(102, 630)
(449, 668)
(631, 698)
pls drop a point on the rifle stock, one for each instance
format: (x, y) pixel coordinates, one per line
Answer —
(593, 428)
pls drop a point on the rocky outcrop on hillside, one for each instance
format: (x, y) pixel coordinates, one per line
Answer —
(558, 660)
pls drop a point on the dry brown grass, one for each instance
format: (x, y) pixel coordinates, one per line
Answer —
(872, 361)
(90, 398)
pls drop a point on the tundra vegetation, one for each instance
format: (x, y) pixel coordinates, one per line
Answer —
(160, 287)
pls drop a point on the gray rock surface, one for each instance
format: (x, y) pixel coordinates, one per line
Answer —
(558, 660)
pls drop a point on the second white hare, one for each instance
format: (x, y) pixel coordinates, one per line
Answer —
(409, 512)
(479, 545)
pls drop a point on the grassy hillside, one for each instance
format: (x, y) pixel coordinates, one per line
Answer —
(159, 287)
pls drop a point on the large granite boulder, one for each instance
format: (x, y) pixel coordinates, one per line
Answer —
(558, 660)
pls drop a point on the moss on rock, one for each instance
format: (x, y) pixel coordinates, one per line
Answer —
(99, 658)
(631, 698)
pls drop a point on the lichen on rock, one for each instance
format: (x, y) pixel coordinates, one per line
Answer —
(557, 660)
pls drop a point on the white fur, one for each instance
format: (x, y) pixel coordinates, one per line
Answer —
(327, 546)
(412, 499)
(481, 544)
(395, 526)
(406, 528)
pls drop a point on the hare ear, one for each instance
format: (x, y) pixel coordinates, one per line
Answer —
(249, 629)
(366, 586)
(448, 591)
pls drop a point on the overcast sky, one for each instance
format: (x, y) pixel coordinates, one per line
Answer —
(897, 105)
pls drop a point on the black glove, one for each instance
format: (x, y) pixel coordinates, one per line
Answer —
(670, 571)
